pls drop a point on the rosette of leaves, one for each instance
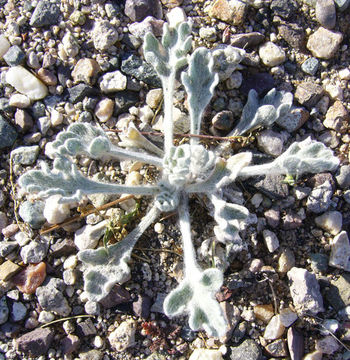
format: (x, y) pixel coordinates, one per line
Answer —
(185, 169)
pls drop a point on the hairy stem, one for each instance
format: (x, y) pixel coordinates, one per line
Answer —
(168, 124)
(133, 155)
(190, 262)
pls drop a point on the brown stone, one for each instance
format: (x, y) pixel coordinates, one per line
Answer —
(23, 120)
(264, 312)
(232, 12)
(47, 77)
(337, 117)
(28, 280)
(308, 93)
(86, 71)
(8, 269)
(248, 40)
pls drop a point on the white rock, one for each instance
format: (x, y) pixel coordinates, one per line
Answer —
(71, 262)
(69, 276)
(54, 212)
(176, 16)
(316, 355)
(274, 329)
(334, 91)
(19, 311)
(340, 251)
(123, 336)
(146, 114)
(271, 240)
(70, 45)
(104, 109)
(45, 317)
(26, 83)
(88, 236)
(305, 291)
(206, 354)
(19, 101)
(288, 317)
(271, 54)
(4, 45)
(327, 345)
(344, 74)
(56, 118)
(331, 221)
(256, 200)
(113, 81)
(154, 97)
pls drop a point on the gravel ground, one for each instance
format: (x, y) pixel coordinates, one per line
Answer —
(287, 295)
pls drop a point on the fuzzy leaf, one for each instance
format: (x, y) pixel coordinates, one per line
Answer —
(225, 172)
(199, 82)
(107, 266)
(65, 179)
(91, 141)
(302, 157)
(229, 218)
(265, 112)
(196, 295)
(169, 55)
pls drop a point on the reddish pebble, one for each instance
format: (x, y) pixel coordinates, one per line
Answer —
(10, 230)
(28, 280)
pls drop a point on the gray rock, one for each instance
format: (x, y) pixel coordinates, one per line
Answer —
(78, 92)
(295, 341)
(32, 213)
(51, 298)
(4, 310)
(347, 196)
(260, 82)
(295, 119)
(70, 344)
(271, 186)
(136, 67)
(104, 35)
(8, 134)
(338, 292)
(284, 8)
(343, 177)
(331, 221)
(271, 142)
(320, 198)
(325, 13)
(34, 252)
(43, 124)
(86, 328)
(340, 251)
(46, 13)
(310, 66)
(36, 342)
(18, 312)
(142, 306)
(308, 93)
(7, 247)
(293, 34)
(38, 109)
(223, 120)
(305, 291)
(118, 295)
(91, 355)
(14, 56)
(248, 350)
(272, 217)
(124, 100)
(25, 155)
(158, 304)
(342, 4)
(137, 10)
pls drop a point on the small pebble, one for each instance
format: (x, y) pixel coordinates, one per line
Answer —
(271, 54)
(104, 109)
(340, 251)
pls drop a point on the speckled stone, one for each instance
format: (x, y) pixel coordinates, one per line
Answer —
(324, 43)
(229, 11)
(310, 66)
(8, 134)
(137, 10)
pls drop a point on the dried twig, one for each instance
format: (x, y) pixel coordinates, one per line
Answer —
(81, 216)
